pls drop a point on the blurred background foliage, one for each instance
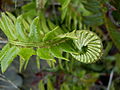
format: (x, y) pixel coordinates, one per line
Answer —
(100, 16)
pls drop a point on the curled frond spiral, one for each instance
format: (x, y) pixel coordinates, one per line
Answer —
(89, 46)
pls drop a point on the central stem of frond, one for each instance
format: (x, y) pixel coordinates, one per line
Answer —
(45, 44)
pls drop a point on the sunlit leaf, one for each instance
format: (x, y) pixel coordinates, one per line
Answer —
(41, 85)
(25, 54)
(57, 52)
(65, 4)
(44, 53)
(4, 51)
(9, 57)
(21, 34)
(49, 85)
(34, 34)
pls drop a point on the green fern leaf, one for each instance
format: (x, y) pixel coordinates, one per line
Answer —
(35, 34)
(20, 30)
(8, 58)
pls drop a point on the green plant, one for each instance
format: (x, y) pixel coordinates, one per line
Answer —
(47, 42)
(64, 33)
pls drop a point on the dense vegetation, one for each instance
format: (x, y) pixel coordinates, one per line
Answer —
(71, 44)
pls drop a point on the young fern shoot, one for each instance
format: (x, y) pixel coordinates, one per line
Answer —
(23, 37)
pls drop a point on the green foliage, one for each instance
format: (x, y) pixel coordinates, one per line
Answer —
(49, 85)
(79, 12)
(29, 10)
(114, 33)
(63, 32)
(8, 57)
(71, 77)
(41, 85)
(96, 17)
(48, 43)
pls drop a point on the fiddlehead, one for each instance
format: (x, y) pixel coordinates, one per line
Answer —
(89, 46)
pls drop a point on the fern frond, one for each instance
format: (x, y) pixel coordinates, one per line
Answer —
(89, 46)
(87, 12)
(83, 45)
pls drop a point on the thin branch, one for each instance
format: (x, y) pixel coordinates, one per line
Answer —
(110, 79)
(111, 9)
(9, 81)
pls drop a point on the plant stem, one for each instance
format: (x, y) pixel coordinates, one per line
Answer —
(110, 79)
